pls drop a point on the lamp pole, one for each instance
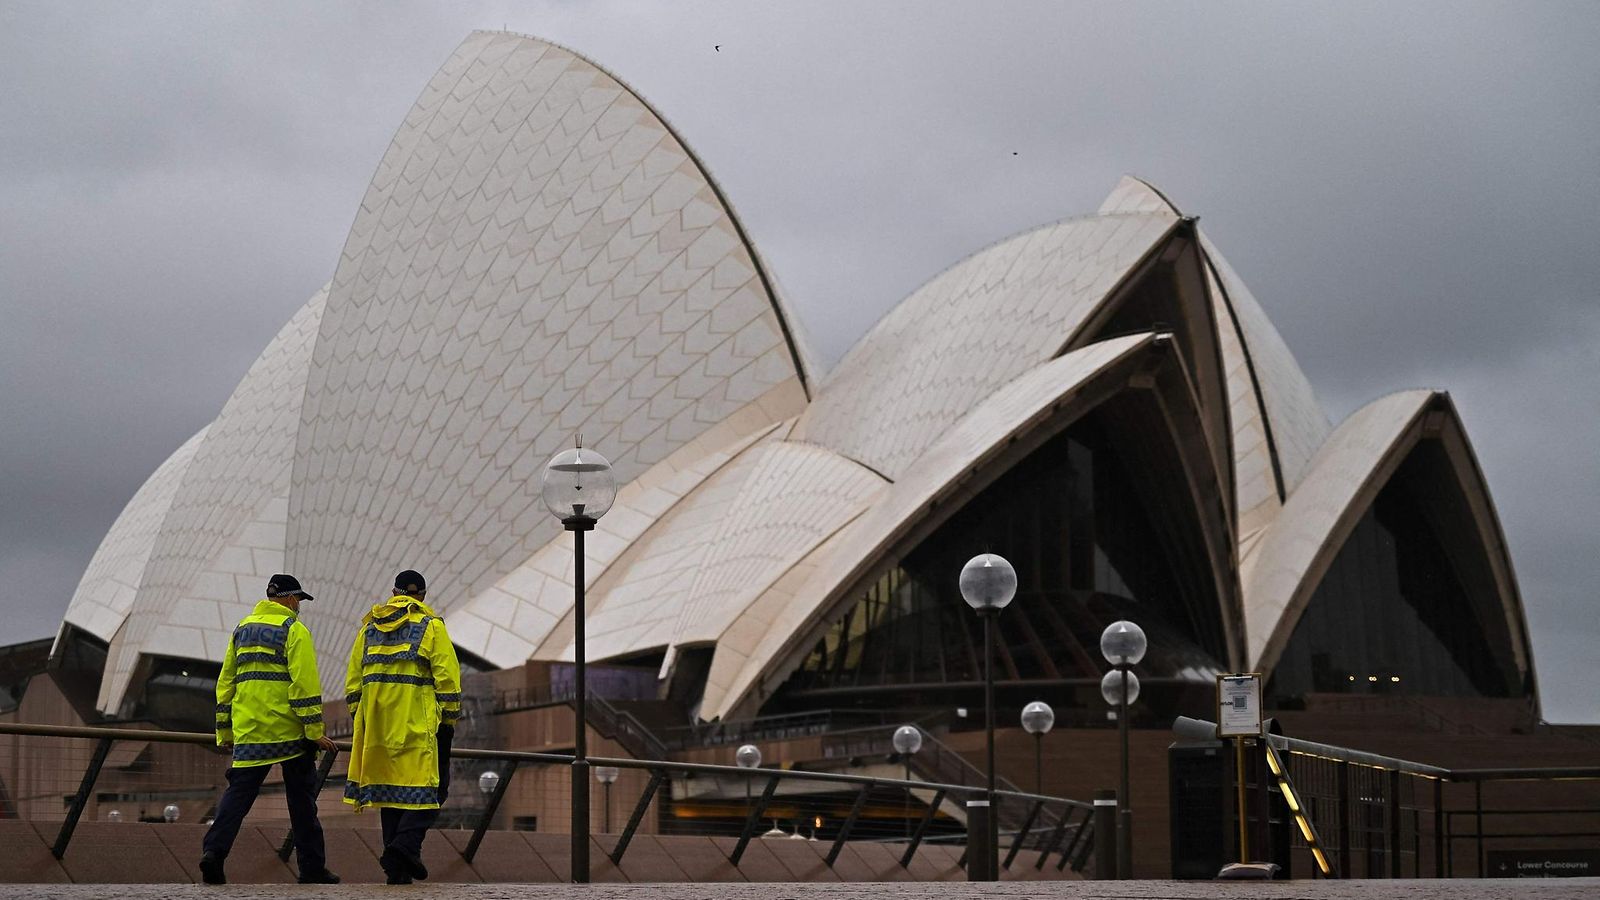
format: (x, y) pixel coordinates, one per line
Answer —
(988, 583)
(1037, 719)
(606, 775)
(748, 756)
(907, 740)
(1123, 644)
(579, 488)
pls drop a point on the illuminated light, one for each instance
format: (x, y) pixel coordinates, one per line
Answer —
(1352, 678)
(1288, 794)
(1322, 861)
(1372, 678)
(817, 822)
(1395, 678)
(1305, 828)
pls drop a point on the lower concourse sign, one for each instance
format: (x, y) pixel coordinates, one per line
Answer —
(1543, 863)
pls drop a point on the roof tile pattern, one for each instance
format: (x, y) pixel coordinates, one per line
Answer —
(239, 470)
(537, 256)
(110, 584)
(1011, 410)
(973, 328)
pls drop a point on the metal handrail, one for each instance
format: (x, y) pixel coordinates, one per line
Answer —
(658, 770)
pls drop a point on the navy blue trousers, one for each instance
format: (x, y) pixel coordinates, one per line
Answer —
(404, 829)
(299, 792)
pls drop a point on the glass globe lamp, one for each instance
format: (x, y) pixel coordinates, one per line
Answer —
(170, 813)
(578, 484)
(748, 756)
(1038, 718)
(487, 782)
(907, 740)
(1111, 687)
(1123, 643)
(988, 583)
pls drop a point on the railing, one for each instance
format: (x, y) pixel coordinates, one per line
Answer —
(619, 725)
(781, 793)
(1374, 816)
(779, 727)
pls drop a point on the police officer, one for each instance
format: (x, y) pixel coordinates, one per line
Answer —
(269, 710)
(403, 686)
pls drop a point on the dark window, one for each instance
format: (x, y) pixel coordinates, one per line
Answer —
(1393, 615)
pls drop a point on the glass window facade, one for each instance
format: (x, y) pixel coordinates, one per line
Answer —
(1394, 614)
(1077, 521)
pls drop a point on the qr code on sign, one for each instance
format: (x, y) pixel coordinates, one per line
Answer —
(1241, 703)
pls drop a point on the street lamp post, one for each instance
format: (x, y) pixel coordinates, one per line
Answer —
(1122, 644)
(988, 583)
(579, 488)
(606, 775)
(748, 756)
(1037, 719)
(907, 741)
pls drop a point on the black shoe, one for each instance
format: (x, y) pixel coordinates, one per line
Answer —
(322, 877)
(395, 866)
(418, 870)
(211, 869)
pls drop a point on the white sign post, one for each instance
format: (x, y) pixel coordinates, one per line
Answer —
(1239, 717)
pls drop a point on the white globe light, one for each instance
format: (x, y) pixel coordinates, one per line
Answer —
(988, 582)
(907, 739)
(1123, 643)
(114, 816)
(170, 813)
(1038, 718)
(579, 482)
(748, 756)
(606, 774)
(1111, 687)
(488, 781)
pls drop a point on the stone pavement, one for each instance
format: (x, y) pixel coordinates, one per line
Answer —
(1460, 889)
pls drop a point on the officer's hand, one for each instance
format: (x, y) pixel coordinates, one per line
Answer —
(327, 743)
(225, 748)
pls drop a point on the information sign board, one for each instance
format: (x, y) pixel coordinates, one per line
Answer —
(1574, 863)
(1239, 705)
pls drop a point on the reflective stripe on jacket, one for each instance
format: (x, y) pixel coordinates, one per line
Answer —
(402, 683)
(269, 700)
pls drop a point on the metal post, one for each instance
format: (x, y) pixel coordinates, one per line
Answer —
(657, 776)
(81, 798)
(1054, 840)
(1477, 805)
(1244, 809)
(1022, 833)
(991, 857)
(1438, 828)
(922, 827)
(1394, 823)
(607, 828)
(580, 762)
(322, 777)
(753, 820)
(849, 823)
(1038, 763)
(1124, 801)
(978, 855)
(1105, 831)
(1346, 852)
(489, 809)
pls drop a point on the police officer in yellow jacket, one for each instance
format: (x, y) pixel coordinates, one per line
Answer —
(269, 710)
(403, 686)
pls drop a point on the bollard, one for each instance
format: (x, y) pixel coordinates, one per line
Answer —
(1105, 834)
(979, 852)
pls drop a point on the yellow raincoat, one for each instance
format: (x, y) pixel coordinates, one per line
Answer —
(269, 699)
(402, 683)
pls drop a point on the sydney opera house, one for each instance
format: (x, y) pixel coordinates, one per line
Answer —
(1099, 399)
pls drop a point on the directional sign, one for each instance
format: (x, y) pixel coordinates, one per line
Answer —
(1543, 863)
(1239, 705)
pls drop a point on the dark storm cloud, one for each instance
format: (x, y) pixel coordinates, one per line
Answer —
(1411, 191)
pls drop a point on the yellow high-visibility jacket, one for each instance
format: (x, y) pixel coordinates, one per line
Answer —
(402, 683)
(269, 701)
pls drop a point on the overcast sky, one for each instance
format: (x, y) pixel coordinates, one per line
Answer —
(1412, 191)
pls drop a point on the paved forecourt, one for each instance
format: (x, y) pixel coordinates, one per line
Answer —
(1460, 889)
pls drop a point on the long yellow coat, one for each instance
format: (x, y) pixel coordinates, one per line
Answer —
(402, 683)
(269, 699)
